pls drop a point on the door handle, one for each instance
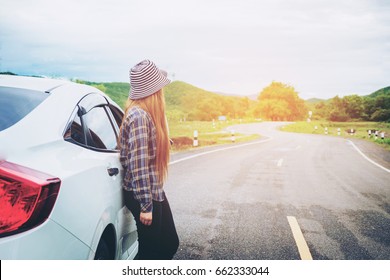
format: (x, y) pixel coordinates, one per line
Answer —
(113, 171)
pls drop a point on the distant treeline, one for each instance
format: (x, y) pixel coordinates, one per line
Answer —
(373, 107)
(277, 101)
(185, 101)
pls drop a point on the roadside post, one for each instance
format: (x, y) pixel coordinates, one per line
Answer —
(376, 134)
(369, 133)
(233, 137)
(352, 131)
(196, 138)
(382, 135)
(338, 131)
(326, 130)
(309, 118)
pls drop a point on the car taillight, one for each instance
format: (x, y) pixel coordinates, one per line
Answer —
(27, 197)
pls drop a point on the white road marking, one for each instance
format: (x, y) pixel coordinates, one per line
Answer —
(367, 158)
(303, 249)
(280, 162)
(219, 150)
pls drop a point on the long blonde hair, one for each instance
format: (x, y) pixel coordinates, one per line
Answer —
(155, 106)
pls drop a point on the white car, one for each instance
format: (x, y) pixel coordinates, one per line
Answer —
(60, 174)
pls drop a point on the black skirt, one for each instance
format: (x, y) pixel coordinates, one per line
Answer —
(159, 241)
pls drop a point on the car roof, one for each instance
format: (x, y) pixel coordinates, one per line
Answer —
(61, 101)
(32, 83)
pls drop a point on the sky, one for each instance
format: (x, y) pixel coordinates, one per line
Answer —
(322, 48)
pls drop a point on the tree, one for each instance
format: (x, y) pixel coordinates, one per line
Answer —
(275, 110)
(381, 115)
(242, 107)
(207, 110)
(338, 116)
(321, 110)
(369, 107)
(359, 108)
(279, 101)
(354, 106)
(383, 101)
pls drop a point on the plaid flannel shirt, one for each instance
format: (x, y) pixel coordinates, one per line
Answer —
(138, 157)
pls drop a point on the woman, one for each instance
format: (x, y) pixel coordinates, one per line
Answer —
(144, 154)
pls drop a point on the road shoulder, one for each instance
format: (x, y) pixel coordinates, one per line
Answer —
(374, 152)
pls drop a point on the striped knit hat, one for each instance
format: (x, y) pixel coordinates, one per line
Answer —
(146, 79)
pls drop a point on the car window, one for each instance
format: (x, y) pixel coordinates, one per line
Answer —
(75, 131)
(117, 114)
(92, 100)
(101, 132)
(17, 103)
(95, 123)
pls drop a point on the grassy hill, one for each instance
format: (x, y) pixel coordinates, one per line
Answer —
(185, 101)
(314, 100)
(383, 91)
(118, 92)
(177, 91)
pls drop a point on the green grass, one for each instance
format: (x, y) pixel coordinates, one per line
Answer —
(360, 128)
(182, 134)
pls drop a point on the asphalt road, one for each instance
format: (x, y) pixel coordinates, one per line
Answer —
(240, 201)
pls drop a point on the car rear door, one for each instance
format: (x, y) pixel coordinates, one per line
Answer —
(95, 127)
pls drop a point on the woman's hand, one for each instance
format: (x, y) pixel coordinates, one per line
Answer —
(146, 218)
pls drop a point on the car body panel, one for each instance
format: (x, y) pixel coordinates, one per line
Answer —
(47, 241)
(89, 200)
